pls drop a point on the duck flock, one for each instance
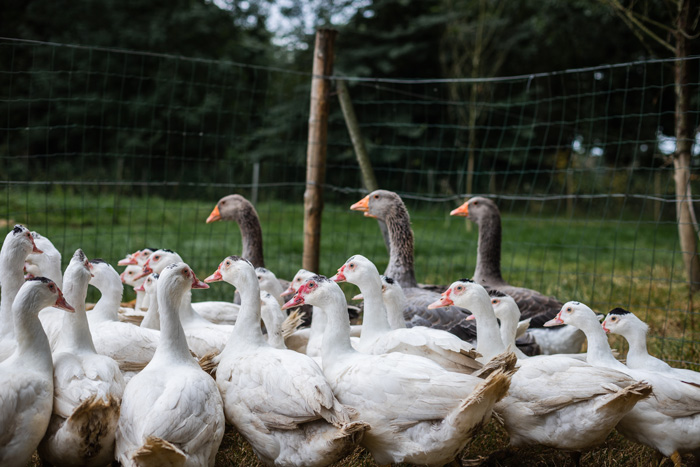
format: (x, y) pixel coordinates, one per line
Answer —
(156, 384)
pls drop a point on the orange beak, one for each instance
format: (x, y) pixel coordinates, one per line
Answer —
(214, 216)
(462, 211)
(362, 205)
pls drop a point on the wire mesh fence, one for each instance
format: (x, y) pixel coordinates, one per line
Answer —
(113, 150)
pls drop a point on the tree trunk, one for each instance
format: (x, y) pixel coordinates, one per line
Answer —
(682, 156)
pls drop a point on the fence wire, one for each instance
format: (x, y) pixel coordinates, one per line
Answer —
(112, 150)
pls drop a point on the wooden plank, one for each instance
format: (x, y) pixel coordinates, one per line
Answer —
(316, 149)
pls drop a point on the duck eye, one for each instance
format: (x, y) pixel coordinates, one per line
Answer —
(568, 310)
(157, 257)
(131, 273)
(459, 287)
(613, 318)
(351, 265)
(311, 285)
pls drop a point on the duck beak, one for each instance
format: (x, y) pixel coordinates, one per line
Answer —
(462, 211)
(146, 271)
(556, 321)
(197, 284)
(607, 331)
(140, 288)
(214, 216)
(358, 297)
(296, 300)
(63, 304)
(289, 290)
(127, 261)
(444, 301)
(216, 277)
(34, 248)
(339, 277)
(470, 318)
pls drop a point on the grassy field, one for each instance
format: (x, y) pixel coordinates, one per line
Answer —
(604, 262)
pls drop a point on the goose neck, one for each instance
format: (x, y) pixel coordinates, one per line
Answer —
(172, 345)
(401, 248)
(488, 257)
(251, 237)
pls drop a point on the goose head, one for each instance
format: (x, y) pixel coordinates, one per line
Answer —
(128, 274)
(380, 204)
(465, 293)
(20, 241)
(231, 208)
(477, 209)
(300, 277)
(103, 275)
(178, 278)
(357, 270)
(504, 307)
(234, 270)
(158, 260)
(317, 291)
(622, 322)
(138, 258)
(42, 293)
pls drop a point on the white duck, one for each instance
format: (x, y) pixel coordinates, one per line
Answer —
(419, 412)
(634, 330)
(279, 400)
(131, 346)
(203, 336)
(270, 284)
(555, 401)
(377, 337)
(127, 277)
(134, 262)
(138, 258)
(26, 377)
(17, 246)
(45, 264)
(88, 387)
(172, 412)
(668, 422)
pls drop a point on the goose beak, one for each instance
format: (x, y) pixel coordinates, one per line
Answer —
(216, 277)
(556, 321)
(444, 301)
(462, 211)
(214, 216)
(197, 284)
(296, 300)
(63, 304)
(127, 261)
(363, 206)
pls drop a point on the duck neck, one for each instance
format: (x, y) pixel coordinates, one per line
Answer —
(247, 331)
(75, 332)
(336, 336)
(374, 318)
(251, 237)
(53, 270)
(273, 319)
(488, 257)
(318, 327)
(172, 345)
(394, 314)
(33, 348)
(509, 328)
(599, 353)
(488, 343)
(637, 340)
(187, 313)
(400, 266)
(139, 300)
(152, 318)
(107, 307)
(11, 280)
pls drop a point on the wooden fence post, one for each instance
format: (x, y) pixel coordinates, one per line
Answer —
(316, 150)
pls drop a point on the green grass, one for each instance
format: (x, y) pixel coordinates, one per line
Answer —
(633, 263)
